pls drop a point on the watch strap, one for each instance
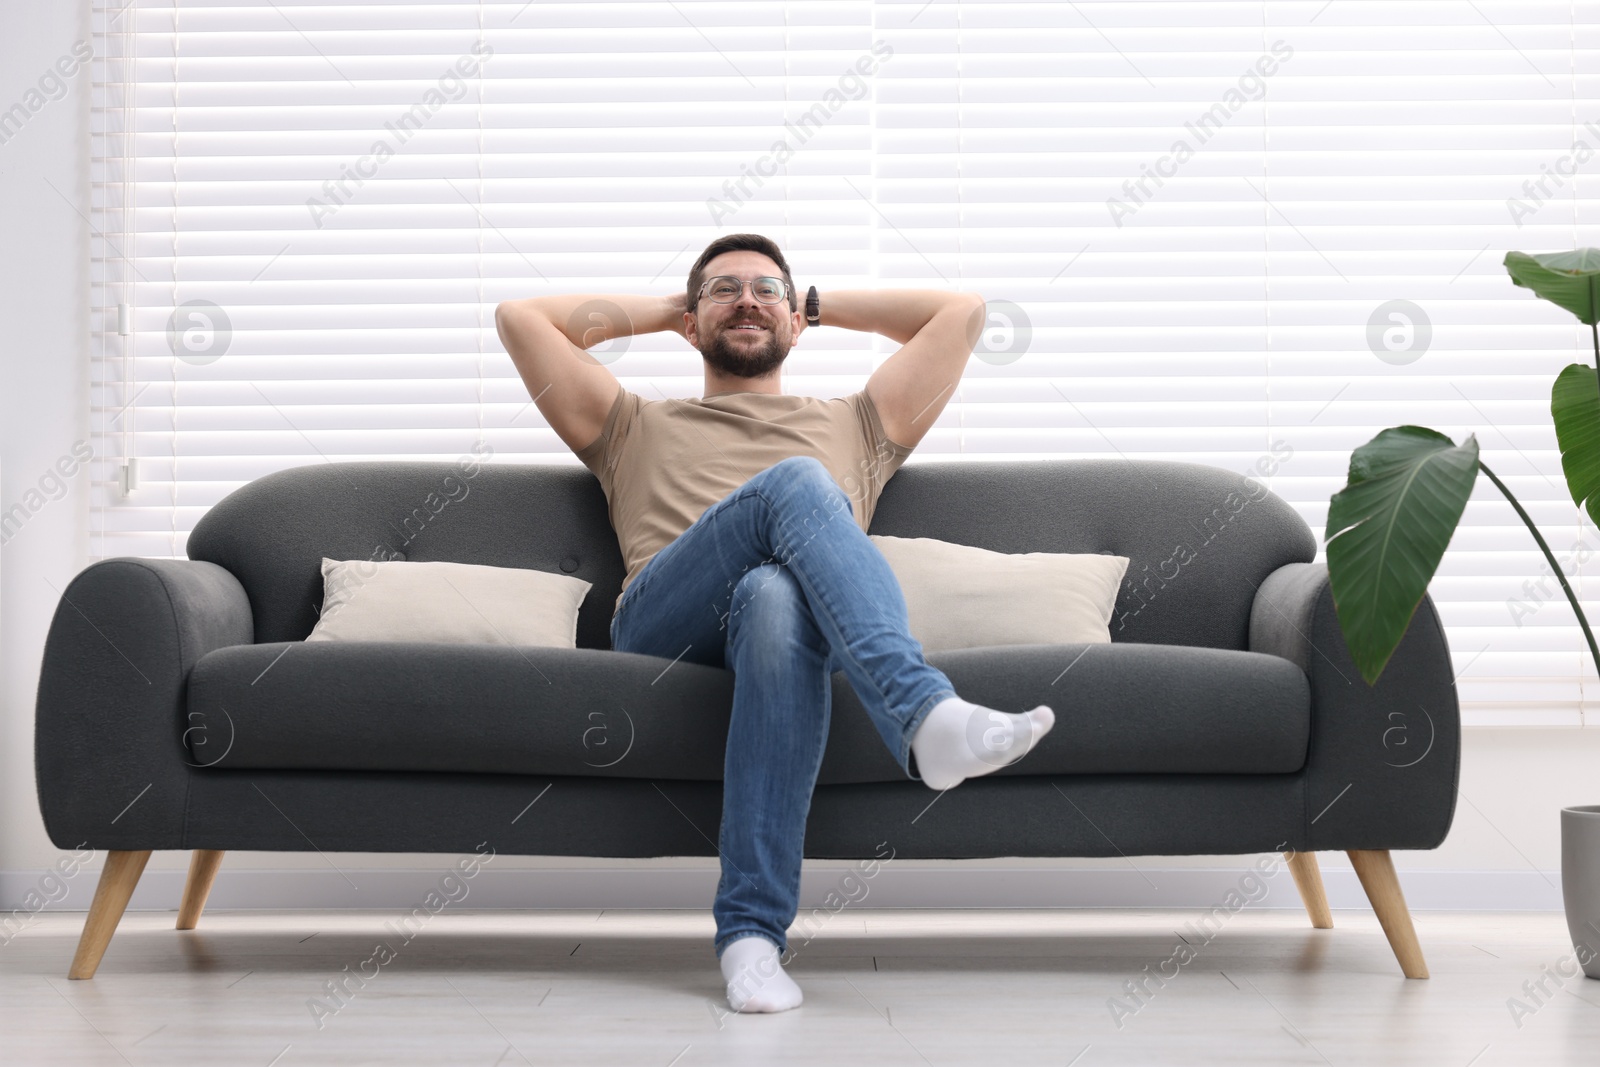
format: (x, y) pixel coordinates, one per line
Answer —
(813, 308)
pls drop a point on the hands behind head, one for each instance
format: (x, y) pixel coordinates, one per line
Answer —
(800, 329)
(677, 304)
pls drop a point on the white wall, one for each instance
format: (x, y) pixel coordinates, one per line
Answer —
(1503, 851)
(44, 395)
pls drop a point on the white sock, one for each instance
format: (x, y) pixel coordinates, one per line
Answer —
(755, 977)
(959, 740)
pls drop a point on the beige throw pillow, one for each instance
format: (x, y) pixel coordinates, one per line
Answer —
(959, 596)
(456, 603)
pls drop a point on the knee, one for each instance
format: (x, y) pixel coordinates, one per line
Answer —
(803, 470)
(768, 605)
(807, 476)
(800, 466)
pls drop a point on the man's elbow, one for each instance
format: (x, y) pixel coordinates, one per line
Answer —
(976, 310)
(505, 309)
(505, 316)
(969, 303)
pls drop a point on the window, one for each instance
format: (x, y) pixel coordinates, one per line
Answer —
(1207, 231)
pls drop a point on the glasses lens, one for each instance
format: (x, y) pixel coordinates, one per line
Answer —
(724, 289)
(768, 290)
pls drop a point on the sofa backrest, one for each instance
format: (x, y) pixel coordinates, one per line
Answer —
(1200, 539)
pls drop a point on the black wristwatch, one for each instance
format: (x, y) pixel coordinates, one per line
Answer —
(813, 308)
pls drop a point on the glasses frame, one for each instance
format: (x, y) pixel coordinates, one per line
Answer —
(783, 289)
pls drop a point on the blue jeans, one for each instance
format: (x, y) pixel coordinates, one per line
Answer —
(778, 583)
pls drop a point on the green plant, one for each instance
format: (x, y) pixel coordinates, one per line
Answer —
(1407, 487)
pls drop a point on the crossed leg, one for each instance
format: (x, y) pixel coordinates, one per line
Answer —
(779, 583)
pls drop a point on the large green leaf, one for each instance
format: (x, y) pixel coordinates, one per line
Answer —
(1387, 531)
(1575, 406)
(1568, 279)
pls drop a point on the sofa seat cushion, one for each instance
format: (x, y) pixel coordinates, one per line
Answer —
(416, 706)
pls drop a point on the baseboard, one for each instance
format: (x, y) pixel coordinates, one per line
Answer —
(896, 885)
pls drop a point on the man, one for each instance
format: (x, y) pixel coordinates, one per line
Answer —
(742, 519)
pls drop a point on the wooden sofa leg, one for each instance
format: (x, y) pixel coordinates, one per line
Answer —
(117, 879)
(1376, 870)
(202, 872)
(1308, 879)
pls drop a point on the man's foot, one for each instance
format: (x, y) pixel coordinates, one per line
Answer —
(755, 977)
(959, 740)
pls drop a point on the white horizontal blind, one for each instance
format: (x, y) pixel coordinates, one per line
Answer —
(1207, 303)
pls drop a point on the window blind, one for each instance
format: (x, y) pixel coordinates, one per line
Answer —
(1216, 232)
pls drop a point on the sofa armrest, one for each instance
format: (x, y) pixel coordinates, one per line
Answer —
(1383, 761)
(109, 756)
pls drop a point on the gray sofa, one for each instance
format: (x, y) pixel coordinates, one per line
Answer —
(180, 708)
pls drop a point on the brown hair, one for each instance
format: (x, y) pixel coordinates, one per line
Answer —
(739, 242)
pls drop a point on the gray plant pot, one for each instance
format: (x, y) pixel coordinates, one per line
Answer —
(1580, 882)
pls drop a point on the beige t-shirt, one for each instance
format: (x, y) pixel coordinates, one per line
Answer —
(662, 463)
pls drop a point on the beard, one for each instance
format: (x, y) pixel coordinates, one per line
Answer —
(741, 359)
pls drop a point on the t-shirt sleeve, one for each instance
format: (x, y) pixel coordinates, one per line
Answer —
(880, 457)
(601, 455)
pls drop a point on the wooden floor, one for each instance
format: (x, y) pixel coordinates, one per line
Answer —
(885, 987)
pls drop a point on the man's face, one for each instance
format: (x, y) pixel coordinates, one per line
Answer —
(746, 338)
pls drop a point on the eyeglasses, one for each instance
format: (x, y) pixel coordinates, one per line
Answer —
(725, 289)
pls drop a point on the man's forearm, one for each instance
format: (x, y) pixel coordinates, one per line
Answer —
(895, 313)
(589, 319)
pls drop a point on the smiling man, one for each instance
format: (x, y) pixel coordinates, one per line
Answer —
(742, 518)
